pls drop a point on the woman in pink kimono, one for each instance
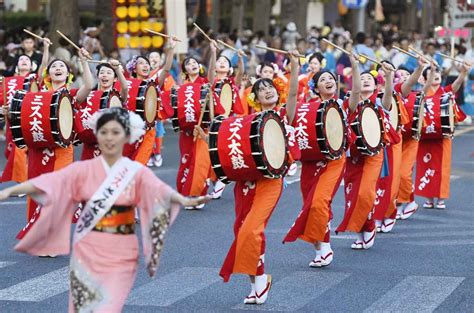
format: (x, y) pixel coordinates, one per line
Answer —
(105, 249)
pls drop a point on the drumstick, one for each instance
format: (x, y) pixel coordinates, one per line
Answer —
(422, 55)
(200, 120)
(203, 32)
(71, 42)
(229, 46)
(450, 58)
(373, 61)
(406, 52)
(336, 46)
(97, 62)
(34, 35)
(278, 51)
(161, 34)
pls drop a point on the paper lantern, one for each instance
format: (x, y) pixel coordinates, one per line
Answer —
(122, 42)
(134, 26)
(146, 42)
(135, 42)
(120, 1)
(122, 27)
(144, 25)
(157, 26)
(157, 41)
(121, 12)
(133, 11)
(144, 12)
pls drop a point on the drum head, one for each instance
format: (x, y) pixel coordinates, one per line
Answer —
(226, 98)
(115, 102)
(451, 115)
(394, 113)
(274, 144)
(371, 127)
(334, 128)
(65, 118)
(151, 104)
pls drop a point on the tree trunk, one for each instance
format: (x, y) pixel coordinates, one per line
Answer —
(202, 18)
(103, 12)
(65, 18)
(294, 11)
(261, 18)
(237, 15)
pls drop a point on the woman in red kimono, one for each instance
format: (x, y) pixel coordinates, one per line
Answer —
(320, 181)
(139, 67)
(107, 75)
(433, 161)
(316, 62)
(362, 171)
(256, 200)
(55, 76)
(15, 168)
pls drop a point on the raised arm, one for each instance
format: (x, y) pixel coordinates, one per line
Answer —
(211, 74)
(85, 89)
(293, 90)
(45, 59)
(407, 86)
(462, 75)
(388, 71)
(121, 78)
(430, 78)
(240, 68)
(168, 62)
(23, 188)
(356, 85)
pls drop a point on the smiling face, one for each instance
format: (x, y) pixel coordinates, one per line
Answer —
(143, 68)
(111, 138)
(326, 86)
(267, 72)
(106, 78)
(267, 95)
(24, 64)
(192, 67)
(314, 65)
(58, 71)
(367, 83)
(222, 65)
(155, 60)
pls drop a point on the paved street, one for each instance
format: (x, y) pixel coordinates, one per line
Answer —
(426, 264)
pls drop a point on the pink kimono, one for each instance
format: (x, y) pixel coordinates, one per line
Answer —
(103, 265)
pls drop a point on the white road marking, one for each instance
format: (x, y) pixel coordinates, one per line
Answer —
(5, 264)
(416, 294)
(38, 288)
(297, 290)
(171, 288)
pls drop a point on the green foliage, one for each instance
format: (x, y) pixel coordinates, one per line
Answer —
(36, 19)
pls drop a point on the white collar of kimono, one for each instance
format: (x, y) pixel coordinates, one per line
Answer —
(106, 165)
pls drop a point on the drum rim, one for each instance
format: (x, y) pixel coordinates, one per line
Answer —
(360, 141)
(140, 101)
(417, 123)
(15, 120)
(332, 154)
(56, 100)
(259, 159)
